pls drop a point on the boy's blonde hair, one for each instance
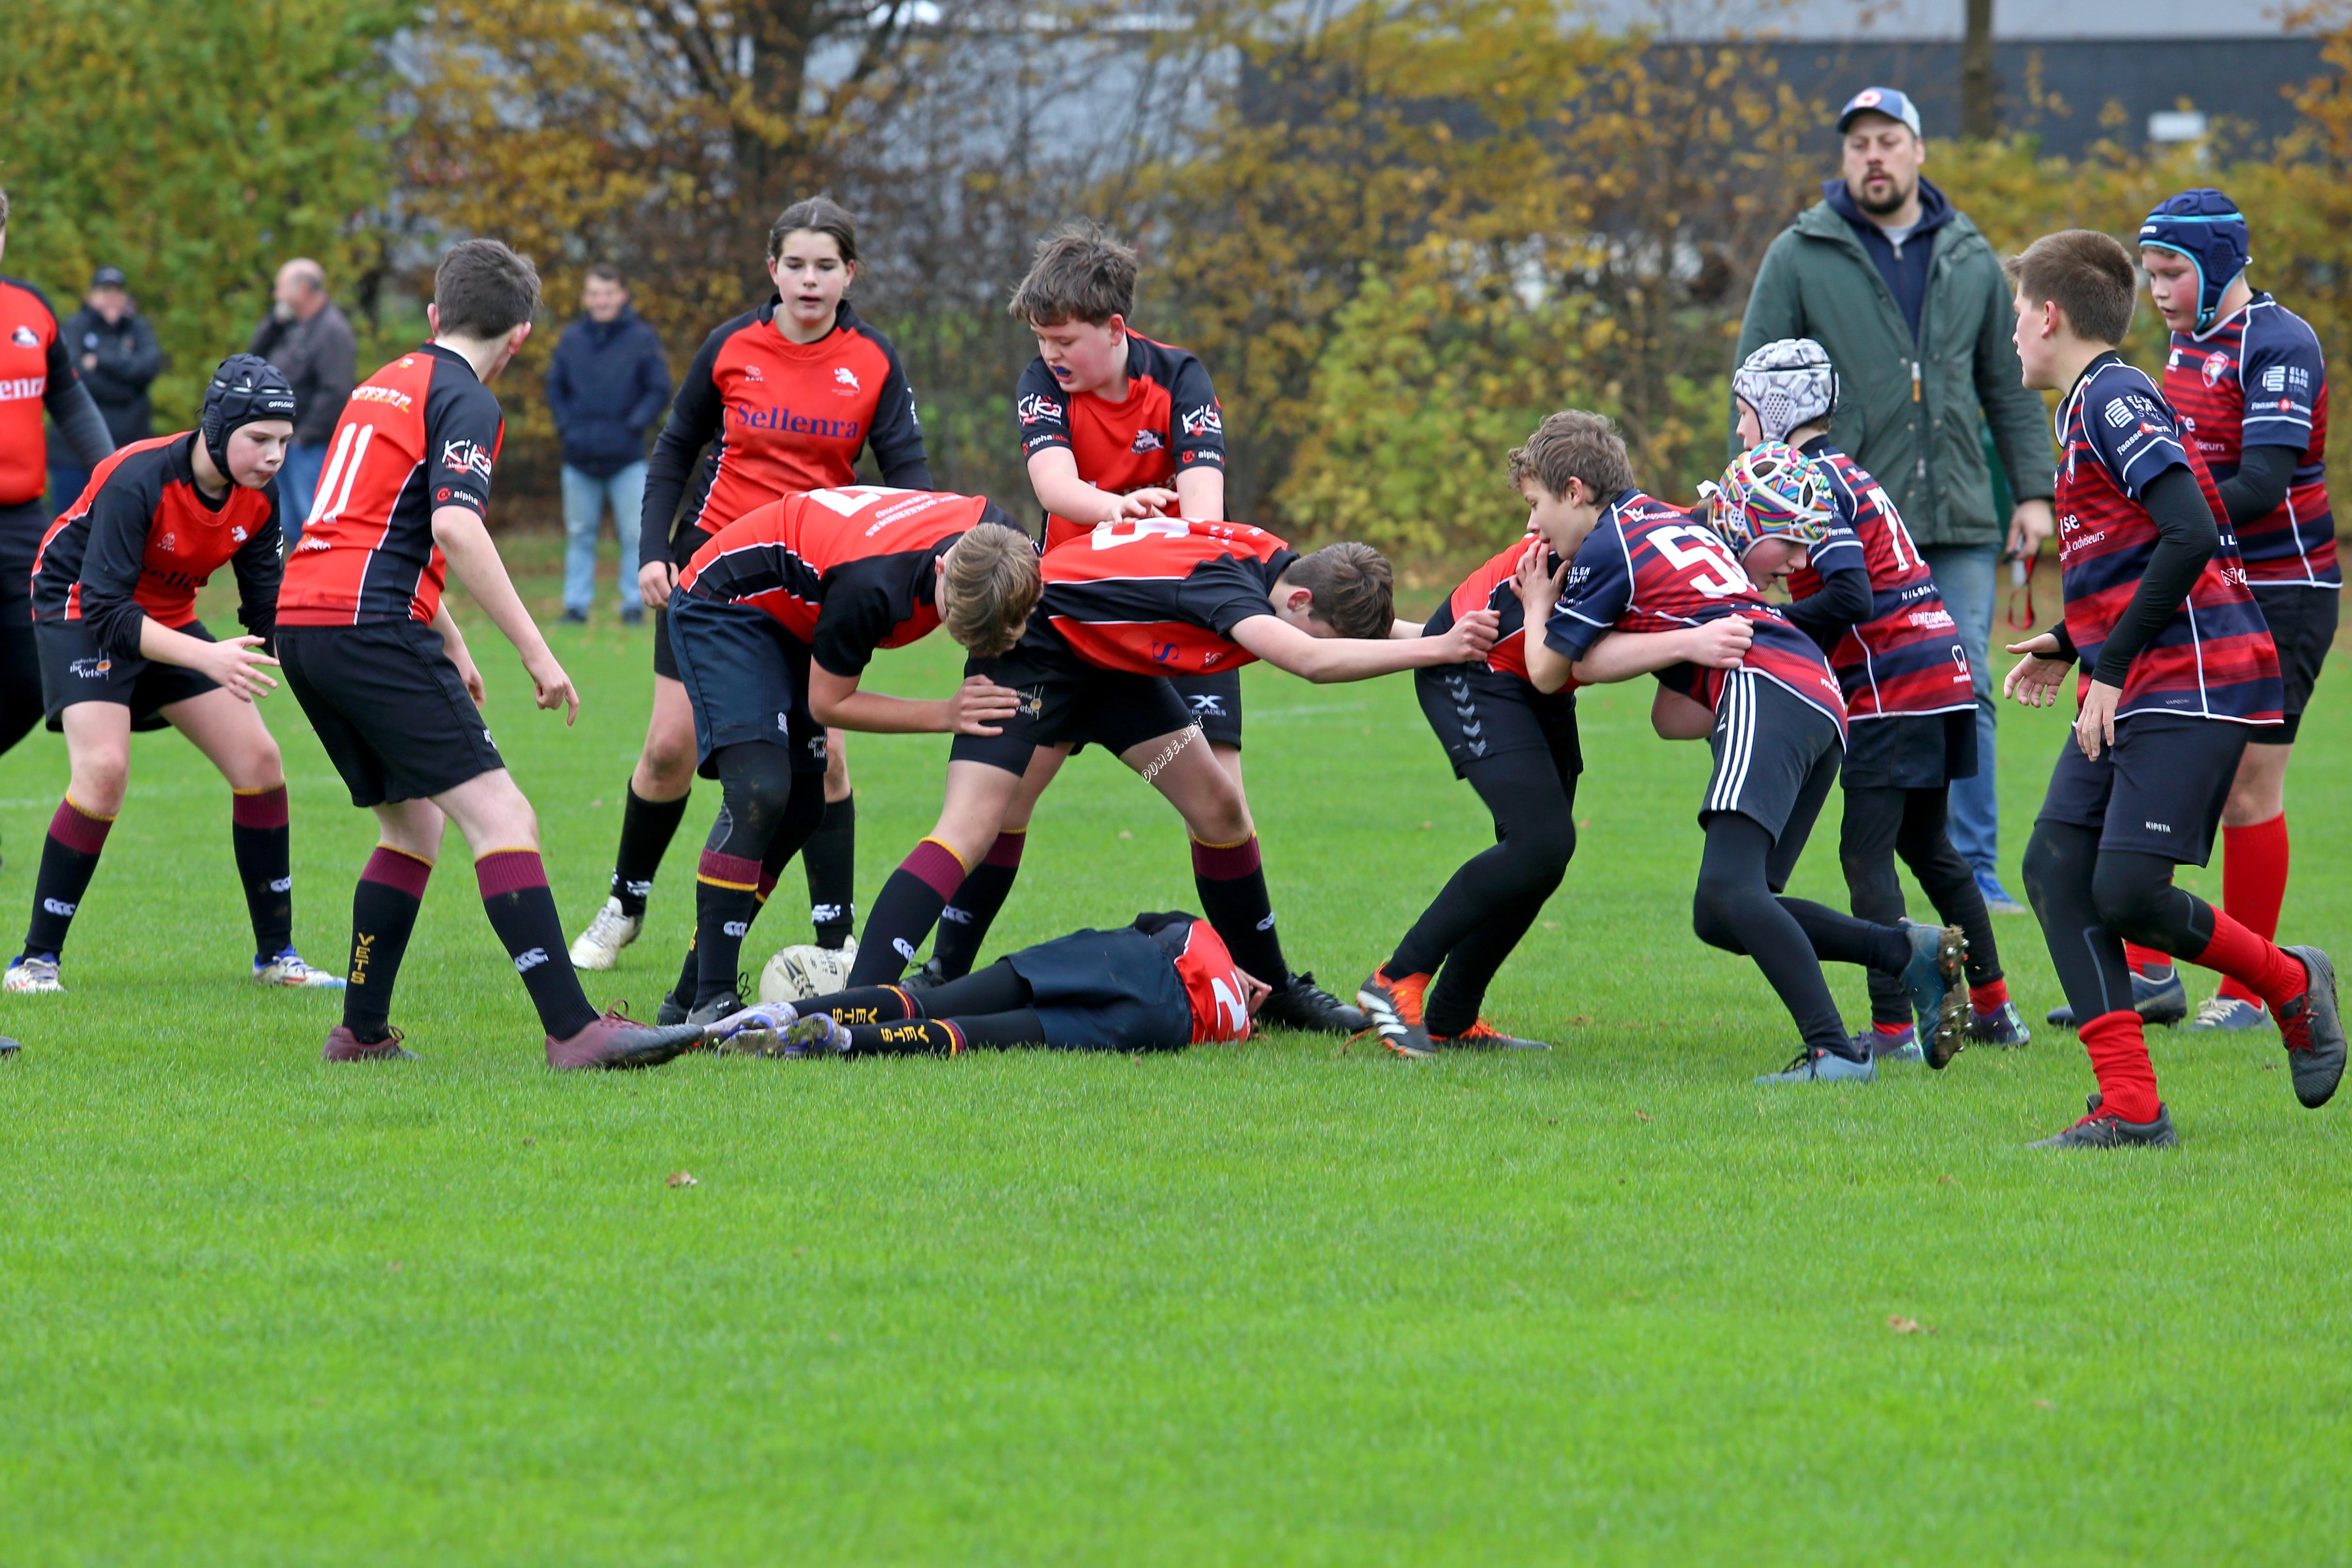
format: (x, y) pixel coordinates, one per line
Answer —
(988, 581)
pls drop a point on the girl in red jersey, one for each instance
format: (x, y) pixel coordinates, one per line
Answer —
(2179, 673)
(114, 608)
(785, 396)
(1162, 983)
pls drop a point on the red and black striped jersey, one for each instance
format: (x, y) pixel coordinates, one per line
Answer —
(1907, 658)
(142, 539)
(1214, 987)
(1495, 586)
(846, 570)
(33, 363)
(2260, 380)
(1169, 421)
(1160, 595)
(421, 434)
(1649, 568)
(2215, 658)
(780, 419)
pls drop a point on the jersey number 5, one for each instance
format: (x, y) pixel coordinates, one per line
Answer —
(1109, 535)
(1686, 548)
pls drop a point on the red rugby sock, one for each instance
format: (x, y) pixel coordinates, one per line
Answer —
(2274, 977)
(2253, 884)
(2119, 1057)
(2145, 958)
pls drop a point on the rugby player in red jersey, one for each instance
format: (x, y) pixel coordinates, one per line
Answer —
(379, 668)
(1112, 425)
(2180, 672)
(1125, 607)
(1650, 589)
(775, 620)
(1163, 983)
(2249, 381)
(785, 396)
(1867, 598)
(36, 374)
(114, 608)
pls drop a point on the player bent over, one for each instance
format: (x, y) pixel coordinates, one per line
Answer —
(379, 667)
(773, 623)
(2250, 383)
(1125, 606)
(2180, 672)
(1866, 598)
(1651, 589)
(114, 611)
(1518, 748)
(1162, 982)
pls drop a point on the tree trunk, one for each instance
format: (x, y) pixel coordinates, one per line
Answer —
(1979, 114)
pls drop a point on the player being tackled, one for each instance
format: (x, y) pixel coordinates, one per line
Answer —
(1650, 589)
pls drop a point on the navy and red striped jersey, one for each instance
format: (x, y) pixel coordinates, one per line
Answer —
(2259, 380)
(1907, 658)
(1158, 595)
(421, 434)
(1169, 421)
(1495, 586)
(34, 364)
(1649, 568)
(846, 570)
(780, 418)
(141, 539)
(2214, 659)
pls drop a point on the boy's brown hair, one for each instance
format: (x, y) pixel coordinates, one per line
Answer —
(1080, 274)
(987, 584)
(1575, 445)
(484, 290)
(2088, 275)
(1355, 592)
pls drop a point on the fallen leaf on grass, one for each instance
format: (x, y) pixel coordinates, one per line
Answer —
(1424, 825)
(1946, 1182)
(1643, 1115)
(1584, 822)
(594, 804)
(1903, 1325)
(1123, 833)
(392, 1267)
(529, 1142)
(1579, 1020)
(684, 1179)
(2044, 1405)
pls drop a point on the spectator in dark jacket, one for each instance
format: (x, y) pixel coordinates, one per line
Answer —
(306, 336)
(608, 385)
(114, 349)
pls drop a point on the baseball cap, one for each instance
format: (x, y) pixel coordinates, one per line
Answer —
(1883, 100)
(109, 278)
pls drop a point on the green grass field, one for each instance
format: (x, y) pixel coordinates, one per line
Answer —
(1281, 1302)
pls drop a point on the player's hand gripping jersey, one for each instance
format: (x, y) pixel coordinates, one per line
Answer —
(1649, 568)
(421, 434)
(142, 539)
(2214, 659)
(2258, 380)
(780, 417)
(846, 571)
(1162, 596)
(1169, 421)
(1906, 658)
(1495, 586)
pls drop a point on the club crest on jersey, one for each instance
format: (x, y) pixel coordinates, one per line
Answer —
(845, 380)
(1148, 441)
(238, 534)
(752, 374)
(23, 337)
(2216, 365)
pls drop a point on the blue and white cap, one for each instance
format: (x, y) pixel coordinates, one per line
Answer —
(1883, 100)
(2206, 227)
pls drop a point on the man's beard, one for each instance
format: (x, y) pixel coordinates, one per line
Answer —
(1897, 193)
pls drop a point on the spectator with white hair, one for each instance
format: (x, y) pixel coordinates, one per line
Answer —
(307, 337)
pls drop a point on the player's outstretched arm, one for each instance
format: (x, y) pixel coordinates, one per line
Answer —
(1621, 656)
(1326, 659)
(466, 541)
(978, 707)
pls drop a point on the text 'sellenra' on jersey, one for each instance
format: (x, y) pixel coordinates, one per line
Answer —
(1161, 596)
(846, 570)
(2215, 658)
(1649, 568)
(1907, 658)
(2258, 380)
(1169, 421)
(421, 434)
(32, 361)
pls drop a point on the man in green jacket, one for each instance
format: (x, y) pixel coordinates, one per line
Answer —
(1909, 300)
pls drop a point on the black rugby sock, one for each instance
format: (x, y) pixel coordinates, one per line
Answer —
(68, 860)
(1231, 880)
(646, 828)
(963, 925)
(258, 833)
(903, 915)
(384, 913)
(522, 911)
(830, 858)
